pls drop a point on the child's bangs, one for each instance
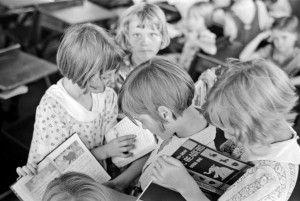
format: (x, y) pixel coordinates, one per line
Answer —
(149, 21)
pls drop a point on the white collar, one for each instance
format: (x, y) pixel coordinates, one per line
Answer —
(287, 151)
(75, 109)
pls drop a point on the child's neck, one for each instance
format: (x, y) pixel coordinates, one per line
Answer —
(77, 93)
(190, 123)
(135, 61)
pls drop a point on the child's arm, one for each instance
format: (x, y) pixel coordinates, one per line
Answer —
(249, 51)
(129, 175)
(171, 173)
(49, 132)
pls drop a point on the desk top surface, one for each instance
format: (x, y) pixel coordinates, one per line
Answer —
(19, 68)
(87, 12)
(15, 4)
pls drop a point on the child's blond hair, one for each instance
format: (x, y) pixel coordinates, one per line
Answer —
(154, 83)
(74, 186)
(253, 100)
(150, 15)
(86, 50)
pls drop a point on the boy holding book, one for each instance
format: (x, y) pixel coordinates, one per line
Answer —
(252, 102)
(158, 96)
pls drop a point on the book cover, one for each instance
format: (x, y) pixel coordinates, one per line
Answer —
(71, 155)
(213, 171)
(145, 140)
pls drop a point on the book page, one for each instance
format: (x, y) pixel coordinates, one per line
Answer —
(72, 155)
(145, 140)
(212, 170)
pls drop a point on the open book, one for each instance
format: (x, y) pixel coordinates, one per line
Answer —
(145, 140)
(213, 171)
(71, 155)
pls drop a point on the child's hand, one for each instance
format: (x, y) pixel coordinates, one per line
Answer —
(120, 146)
(171, 173)
(29, 169)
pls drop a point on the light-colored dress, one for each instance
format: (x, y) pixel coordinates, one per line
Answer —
(272, 178)
(168, 147)
(59, 115)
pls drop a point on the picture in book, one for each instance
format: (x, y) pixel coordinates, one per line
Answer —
(71, 155)
(213, 171)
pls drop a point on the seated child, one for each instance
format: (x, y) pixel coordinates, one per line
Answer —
(80, 102)
(278, 8)
(283, 50)
(251, 101)
(142, 32)
(78, 186)
(245, 20)
(158, 96)
(196, 34)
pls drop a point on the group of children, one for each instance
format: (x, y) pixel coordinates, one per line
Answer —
(250, 101)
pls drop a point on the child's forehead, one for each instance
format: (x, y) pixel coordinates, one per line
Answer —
(279, 32)
(135, 22)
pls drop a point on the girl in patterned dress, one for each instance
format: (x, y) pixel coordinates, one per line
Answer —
(80, 102)
(252, 103)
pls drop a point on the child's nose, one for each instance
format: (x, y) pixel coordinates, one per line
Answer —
(146, 40)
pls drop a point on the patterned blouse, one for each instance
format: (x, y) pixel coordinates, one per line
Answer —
(58, 116)
(273, 177)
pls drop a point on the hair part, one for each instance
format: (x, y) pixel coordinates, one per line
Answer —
(74, 186)
(150, 15)
(156, 82)
(252, 99)
(86, 50)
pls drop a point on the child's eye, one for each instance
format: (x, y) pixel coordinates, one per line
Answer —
(136, 35)
(153, 34)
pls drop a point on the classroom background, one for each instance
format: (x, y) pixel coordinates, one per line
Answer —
(30, 32)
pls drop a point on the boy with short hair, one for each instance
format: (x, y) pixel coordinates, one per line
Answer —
(158, 95)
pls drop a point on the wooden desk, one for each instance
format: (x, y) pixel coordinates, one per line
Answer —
(203, 62)
(61, 15)
(18, 68)
(17, 4)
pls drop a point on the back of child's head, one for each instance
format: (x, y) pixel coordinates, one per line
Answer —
(74, 186)
(86, 50)
(149, 15)
(252, 101)
(289, 24)
(154, 83)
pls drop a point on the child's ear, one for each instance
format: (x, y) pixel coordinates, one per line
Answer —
(165, 113)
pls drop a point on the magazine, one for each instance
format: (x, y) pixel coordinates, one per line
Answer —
(213, 171)
(145, 141)
(71, 155)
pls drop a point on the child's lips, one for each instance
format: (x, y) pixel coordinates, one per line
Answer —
(145, 50)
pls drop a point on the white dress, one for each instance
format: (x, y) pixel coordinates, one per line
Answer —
(59, 115)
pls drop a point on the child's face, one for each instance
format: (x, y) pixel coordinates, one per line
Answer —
(99, 82)
(97, 85)
(147, 122)
(144, 42)
(283, 40)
